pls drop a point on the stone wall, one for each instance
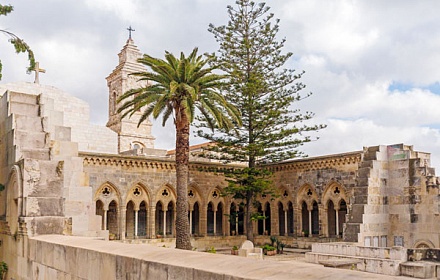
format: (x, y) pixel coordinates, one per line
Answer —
(63, 109)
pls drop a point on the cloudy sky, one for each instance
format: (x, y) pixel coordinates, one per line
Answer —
(373, 66)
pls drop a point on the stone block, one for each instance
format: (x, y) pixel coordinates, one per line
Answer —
(201, 274)
(107, 267)
(27, 139)
(38, 271)
(43, 206)
(177, 273)
(64, 149)
(24, 109)
(421, 270)
(27, 123)
(82, 263)
(59, 257)
(62, 133)
(51, 274)
(158, 271)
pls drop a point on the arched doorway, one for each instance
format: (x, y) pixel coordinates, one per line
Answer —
(281, 219)
(305, 219)
(341, 216)
(267, 221)
(100, 212)
(170, 219)
(129, 220)
(112, 218)
(290, 228)
(142, 220)
(219, 219)
(233, 219)
(315, 218)
(331, 219)
(160, 229)
(261, 224)
(195, 229)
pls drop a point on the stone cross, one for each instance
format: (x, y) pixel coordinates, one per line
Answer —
(37, 71)
(129, 31)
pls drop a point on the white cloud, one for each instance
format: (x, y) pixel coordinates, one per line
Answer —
(352, 51)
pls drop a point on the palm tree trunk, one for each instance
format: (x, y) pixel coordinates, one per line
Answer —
(182, 174)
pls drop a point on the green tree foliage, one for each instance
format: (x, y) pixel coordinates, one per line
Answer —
(178, 87)
(19, 45)
(266, 94)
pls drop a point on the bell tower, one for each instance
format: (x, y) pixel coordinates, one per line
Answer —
(130, 137)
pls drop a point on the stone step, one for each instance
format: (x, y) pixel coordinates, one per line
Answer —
(28, 123)
(39, 154)
(30, 140)
(422, 270)
(367, 264)
(32, 110)
(18, 97)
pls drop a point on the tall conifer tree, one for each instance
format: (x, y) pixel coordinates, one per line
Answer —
(265, 93)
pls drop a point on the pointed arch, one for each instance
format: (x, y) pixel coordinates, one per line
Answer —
(308, 194)
(334, 198)
(138, 193)
(334, 191)
(165, 194)
(107, 193)
(14, 199)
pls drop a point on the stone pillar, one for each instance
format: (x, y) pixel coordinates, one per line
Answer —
(204, 220)
(226, 219)
(310, 223)
(190, 221)
(274, 220)
(122, 223)
(236, 220)
(152, 222)
(105, 219)
(285, 223)
(337, 222)
(264, 222)
(136, 215)
(215, 222)
(165, 223)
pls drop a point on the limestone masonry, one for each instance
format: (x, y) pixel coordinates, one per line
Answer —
(65, 176)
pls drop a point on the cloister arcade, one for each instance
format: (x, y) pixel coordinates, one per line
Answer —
(140, 213)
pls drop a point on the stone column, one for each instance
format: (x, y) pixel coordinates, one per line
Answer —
(310, 223)
(136, 215)
(190, 221)
(285, 223)
(165, 223)
(203, 220)
(215, 222)
(152, 222)
(274, 220)
(264, 222)
(337, 222)
(123, 215)
(105, 220)
(236, 221)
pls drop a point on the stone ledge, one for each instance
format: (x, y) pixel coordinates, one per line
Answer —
(340, 263)
(87, 258)
(423, 270)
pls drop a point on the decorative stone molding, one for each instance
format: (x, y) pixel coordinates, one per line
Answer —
(317, 163)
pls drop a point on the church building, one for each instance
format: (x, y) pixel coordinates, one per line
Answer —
(63, 175)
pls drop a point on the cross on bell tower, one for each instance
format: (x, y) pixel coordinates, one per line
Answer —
(129, 32)
(119, 82)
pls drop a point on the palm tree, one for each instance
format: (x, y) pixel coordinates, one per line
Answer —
(178, 87)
